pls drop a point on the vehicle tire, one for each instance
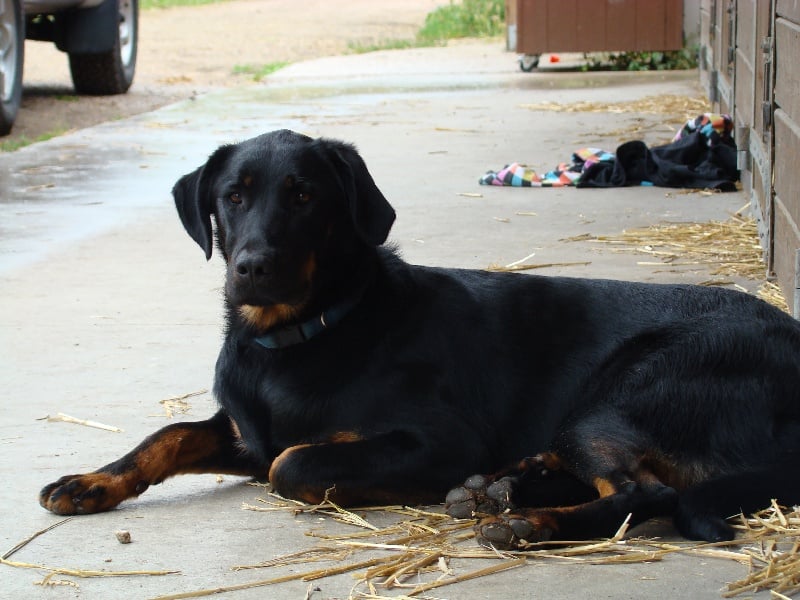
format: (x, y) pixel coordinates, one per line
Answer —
(110, 72)
(12, 50)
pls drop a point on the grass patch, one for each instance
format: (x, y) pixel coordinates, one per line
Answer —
(258, 72)
(363, 48)
(470, 18)
(22, 141)
(465, 19)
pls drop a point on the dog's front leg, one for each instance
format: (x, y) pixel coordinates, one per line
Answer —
(199, 447)
(392, 468)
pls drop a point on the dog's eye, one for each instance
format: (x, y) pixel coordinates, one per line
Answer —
(235, 198)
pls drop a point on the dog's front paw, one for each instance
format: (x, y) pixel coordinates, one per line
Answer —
(479, 495)
(84, 494)
(511, 532)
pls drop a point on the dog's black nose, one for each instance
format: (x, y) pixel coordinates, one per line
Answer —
(252, 266)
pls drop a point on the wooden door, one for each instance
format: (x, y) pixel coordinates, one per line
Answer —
(787, 150)
(753, 112)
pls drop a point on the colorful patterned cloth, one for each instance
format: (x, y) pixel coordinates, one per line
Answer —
(519, 175)
(702, 155)
(715, 127)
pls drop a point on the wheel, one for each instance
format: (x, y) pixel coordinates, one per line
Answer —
(528, 62)
(12, 49)
(110, 72)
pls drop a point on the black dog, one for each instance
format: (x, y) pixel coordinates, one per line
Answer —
(345, 369)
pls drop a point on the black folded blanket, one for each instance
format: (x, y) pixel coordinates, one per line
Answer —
(689, 162)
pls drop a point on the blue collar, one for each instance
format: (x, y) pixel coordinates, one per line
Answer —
(302, 332)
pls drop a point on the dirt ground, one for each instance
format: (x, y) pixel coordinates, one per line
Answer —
(190, 50)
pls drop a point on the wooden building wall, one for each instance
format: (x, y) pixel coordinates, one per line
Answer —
(595, 25)
(750, 67)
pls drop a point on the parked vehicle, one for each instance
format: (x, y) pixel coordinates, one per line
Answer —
(100, 37)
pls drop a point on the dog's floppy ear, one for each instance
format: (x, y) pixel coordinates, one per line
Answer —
(371, 213)
(192, 194)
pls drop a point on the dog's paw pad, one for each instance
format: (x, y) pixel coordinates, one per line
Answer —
(471, 499)
(501, 492)
(510, 532)
(477, 482)
(460, 503)
(496, 534)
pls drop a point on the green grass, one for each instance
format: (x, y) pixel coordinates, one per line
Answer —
(22, 141)
(465, 19)
(470, 18)
(363, 48)
(258, 72)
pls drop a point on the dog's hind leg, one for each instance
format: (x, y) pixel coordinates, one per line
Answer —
(602, 450)
(196, 447)
(703, 508)
(595, 519)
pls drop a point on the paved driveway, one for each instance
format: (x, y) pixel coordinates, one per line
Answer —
(107, 307)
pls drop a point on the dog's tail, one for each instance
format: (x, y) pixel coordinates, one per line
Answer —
(703, 508)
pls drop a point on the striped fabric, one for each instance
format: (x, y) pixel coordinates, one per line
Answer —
(519, 175)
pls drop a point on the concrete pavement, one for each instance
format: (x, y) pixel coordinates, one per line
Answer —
(107, 307)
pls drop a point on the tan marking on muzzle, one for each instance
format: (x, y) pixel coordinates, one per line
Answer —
(266, 317)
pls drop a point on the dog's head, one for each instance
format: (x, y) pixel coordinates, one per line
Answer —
(290, 212)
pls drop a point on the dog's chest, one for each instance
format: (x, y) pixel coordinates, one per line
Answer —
(297, 398)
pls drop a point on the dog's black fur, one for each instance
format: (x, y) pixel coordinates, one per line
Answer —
(627, 397)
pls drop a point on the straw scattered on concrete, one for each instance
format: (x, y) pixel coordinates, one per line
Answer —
(523, 266)
(83, 573)
(178, 405)
(773, 552)
(413, 555)
(33, 536)
(771, 292)
(727, 249)
(52, 571)
(639, 129)
(62, 418)
(421, 546)
(676, 107)
(673, 109)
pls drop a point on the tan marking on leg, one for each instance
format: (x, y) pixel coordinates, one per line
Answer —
(310, 267)
(239, 442)
(345, 437)
(282, 457)
(550, 461)
(174, 450)
(235, 429)
(604, 487)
